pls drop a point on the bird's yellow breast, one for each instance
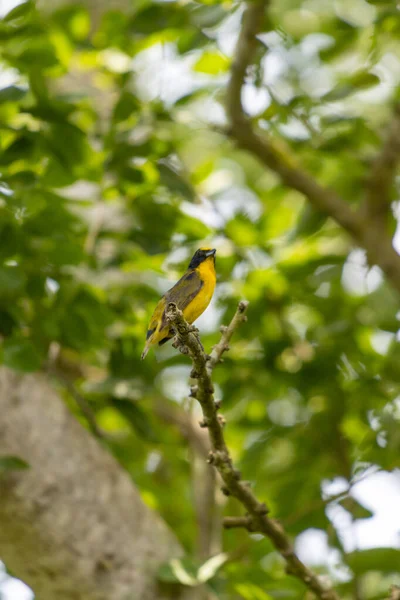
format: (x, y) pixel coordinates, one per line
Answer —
(206, 272)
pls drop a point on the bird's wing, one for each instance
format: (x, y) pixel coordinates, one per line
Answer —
(184, 291)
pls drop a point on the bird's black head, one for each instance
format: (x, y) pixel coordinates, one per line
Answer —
(201, 255)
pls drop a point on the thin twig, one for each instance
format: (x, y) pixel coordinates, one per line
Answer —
(187, 340)
(366, 233)
(227, 333)
(233, 522)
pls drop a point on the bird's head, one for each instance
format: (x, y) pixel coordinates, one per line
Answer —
(201, 255)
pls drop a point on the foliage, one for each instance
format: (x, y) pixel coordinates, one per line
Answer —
(110, 178)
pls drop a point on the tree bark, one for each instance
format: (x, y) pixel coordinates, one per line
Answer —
(72, 525)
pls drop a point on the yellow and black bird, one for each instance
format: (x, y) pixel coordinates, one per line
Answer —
(192, 294)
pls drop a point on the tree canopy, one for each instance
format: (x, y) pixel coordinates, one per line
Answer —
(128, 140)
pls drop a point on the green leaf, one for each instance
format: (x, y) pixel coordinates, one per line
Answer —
(386, 560)
(211, 567)
(7, 323)
(212, 63)
(137, 417)
(12, 463)
(186, 571)
(83, 315)
(250, 591)
(309, 222)
(180, 570)
(20, 11)
(357, 510)
(126, 106)
(12, 93)
(175, 181)
(359, 81)
(21, 354)
(12, 281)
(241, 231)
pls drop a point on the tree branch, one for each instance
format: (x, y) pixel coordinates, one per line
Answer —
(187, 340)
(274, 156)
(383, 170)
(227, 333)
(234, 522)
(365, 232)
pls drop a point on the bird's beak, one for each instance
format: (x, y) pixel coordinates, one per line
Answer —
(211, 252)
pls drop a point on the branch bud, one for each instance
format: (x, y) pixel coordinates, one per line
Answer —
(193, 391)
(262, 509)
(221, 420)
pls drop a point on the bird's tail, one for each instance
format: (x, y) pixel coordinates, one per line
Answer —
(145, 350)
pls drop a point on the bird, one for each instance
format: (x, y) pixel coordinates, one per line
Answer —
(192, 294)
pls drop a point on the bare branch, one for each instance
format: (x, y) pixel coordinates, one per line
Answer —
(227, 333)
(366, 233)
(383, 170)
(234, 522)
(189, 343)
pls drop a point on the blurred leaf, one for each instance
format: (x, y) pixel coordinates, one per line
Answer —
(208, 569)
(309, 222)
(175, 182)
(126, 106)
(249, 591)
(212, 63)
(187, 572)
(137, 417)
(357, 510)
(20, 11)
(12, 463)
(360, 80)
(181, 570)
(12, 93)
(12, 281)
(21, 354)
(386, 560)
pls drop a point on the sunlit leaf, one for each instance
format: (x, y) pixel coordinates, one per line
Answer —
(212, 63)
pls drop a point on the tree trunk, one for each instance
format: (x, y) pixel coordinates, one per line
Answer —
(72, 526)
